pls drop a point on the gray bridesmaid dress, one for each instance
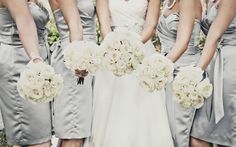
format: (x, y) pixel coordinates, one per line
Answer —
(1, 123)
(25, 123)
(180, 118)
(73, 108)
(209, 123)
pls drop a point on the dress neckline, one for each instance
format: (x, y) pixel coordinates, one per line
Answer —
(170, 5)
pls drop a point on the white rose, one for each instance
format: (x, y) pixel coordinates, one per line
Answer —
(71, 55)
(154, 68)
(36, 93)
(205, 88)
(35, 83)
(122, 52)
(148, 86)
(187, 104)
(192, 73)
(180, 97)
(198, 102)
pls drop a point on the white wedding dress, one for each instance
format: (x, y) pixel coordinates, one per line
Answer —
(124, 114)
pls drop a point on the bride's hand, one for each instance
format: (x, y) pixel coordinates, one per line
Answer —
(81, 73)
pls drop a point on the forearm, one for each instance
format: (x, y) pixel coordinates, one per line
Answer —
(151, 20)
(226, 13)
(207, 54)
(25, 24)
(103, 17)
(148, 32)
(184, 31)
(71, 14)
(28, 35)
(105, 27)
(177, 50)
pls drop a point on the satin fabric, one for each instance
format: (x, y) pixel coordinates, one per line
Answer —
(124, 114)
(25, 123)
(180, 118)
(1, 123)
(73, 107)
(216, 121)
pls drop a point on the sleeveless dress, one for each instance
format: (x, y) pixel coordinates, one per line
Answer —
(73, 107)
(124, 114)
(25, 123)
(180, 118)
(1, 123)
(208, 126)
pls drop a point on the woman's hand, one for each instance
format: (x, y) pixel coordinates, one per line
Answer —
(81, 73)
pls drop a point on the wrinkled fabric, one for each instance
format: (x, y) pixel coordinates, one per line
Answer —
(180, 118)
(73, 107)
(25, 123)
(216, 121)
(1, 122)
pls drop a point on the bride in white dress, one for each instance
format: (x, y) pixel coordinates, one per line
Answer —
(125, 115)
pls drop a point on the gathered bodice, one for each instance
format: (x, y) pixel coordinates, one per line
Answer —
(128, 13)
(167, 31)
(229, 36)
(8, 29)
(86, 9)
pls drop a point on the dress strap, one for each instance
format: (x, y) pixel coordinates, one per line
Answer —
(218, 87)
(217, 106)
(168, 5)
(213, 3)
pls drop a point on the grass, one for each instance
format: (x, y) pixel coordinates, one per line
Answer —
(3, 141)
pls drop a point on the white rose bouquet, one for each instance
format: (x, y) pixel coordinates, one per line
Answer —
(122, 52)
(83, 56)
(155, 72)
(39, 83)
(190, 89)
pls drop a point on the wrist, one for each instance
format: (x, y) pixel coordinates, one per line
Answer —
(168, 55)
(76, 37)
(200, 66)
(35, 57)
(105, 31)
(143, 39)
